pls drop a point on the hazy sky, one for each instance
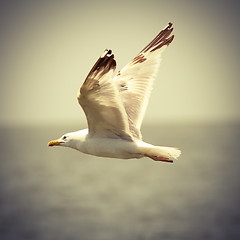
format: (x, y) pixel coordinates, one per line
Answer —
(48, 47)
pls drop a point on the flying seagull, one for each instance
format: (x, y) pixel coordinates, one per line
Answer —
(115, 106)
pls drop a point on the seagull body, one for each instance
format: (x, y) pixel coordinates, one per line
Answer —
(115, 106)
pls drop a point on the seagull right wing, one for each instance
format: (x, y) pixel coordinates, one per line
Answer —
(101, 103)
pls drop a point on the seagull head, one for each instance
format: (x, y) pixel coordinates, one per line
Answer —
(62, 141)
(73, 139)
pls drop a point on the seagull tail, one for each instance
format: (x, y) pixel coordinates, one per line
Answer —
(165, 154)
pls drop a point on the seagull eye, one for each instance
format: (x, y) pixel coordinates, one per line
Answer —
(64, 137)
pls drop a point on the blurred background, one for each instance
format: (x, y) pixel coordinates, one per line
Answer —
(47, 48)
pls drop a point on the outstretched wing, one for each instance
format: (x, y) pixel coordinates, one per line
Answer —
(135, 80)
(99, 98)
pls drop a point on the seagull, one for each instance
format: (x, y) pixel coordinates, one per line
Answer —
(115, 105)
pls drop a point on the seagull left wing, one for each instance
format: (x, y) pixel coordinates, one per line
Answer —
(100, 100)
(135, 80)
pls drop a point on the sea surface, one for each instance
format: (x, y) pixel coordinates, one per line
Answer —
(61, 194)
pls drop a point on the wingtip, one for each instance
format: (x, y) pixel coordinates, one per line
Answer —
(104, 64)
(162, 39)
(107, 53)
(169, 40)
(169, 25)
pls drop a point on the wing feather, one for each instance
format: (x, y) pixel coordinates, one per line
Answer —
(100, 101)
(135, 80)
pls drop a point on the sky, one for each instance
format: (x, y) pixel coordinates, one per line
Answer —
(48, 47)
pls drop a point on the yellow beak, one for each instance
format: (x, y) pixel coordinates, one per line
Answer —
(53, 143)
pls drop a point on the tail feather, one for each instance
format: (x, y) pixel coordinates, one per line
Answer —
(165, 154)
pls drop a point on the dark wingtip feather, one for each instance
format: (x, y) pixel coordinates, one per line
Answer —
(104, 64)
(161, 39)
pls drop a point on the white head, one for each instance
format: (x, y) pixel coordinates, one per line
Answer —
(73, 139)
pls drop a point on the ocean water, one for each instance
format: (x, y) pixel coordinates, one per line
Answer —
(59, 193)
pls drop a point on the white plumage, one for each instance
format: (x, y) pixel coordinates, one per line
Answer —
(115, 106)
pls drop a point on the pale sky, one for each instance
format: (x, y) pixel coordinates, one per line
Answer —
(48, 47)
